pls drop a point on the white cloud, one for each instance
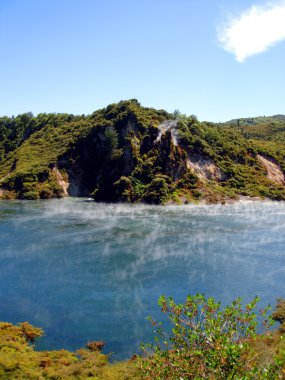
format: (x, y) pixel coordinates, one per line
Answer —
(254, 30)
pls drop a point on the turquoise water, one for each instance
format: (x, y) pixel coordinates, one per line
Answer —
(85, 271)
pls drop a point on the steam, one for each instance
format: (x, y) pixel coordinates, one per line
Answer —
(154, 236)
(103, 266)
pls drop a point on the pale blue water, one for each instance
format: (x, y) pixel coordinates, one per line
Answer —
(85, 271)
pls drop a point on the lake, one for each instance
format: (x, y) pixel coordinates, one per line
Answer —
(84, 271)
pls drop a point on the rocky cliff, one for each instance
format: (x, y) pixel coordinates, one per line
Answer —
(126, 152)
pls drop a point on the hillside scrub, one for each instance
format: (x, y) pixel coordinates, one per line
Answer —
(20, 360)
(129, 153)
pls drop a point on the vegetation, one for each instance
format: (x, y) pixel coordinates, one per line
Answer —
(262, 128)
(205, 341)
(126, 152)
(211, 342)
(19, 359)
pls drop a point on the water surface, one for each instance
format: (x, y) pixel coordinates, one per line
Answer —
(85, 271)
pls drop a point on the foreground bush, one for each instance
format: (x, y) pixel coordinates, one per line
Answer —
(206, 342)
(19, 360)
(211, 342)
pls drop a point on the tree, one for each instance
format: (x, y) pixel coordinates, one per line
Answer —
(112, 143)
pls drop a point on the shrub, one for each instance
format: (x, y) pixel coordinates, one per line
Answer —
(157, 191)
(124, 188)
(30, 195)
(207, 342)
(20, 360)
(46, 192)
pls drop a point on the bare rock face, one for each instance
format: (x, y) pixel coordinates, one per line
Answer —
(205, 168)
(274, 172)
(63, 182)
(279, 314)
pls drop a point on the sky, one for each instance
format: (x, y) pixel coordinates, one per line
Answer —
(216, 59)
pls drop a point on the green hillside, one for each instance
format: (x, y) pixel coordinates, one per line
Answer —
(271, 128)
(126, 152)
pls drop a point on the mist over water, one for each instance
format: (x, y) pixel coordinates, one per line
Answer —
(84, 271)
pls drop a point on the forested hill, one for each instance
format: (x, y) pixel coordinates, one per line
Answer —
(270, 128)
(126, 152)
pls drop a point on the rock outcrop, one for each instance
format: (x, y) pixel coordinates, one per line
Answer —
(274, 172)
(205, 168)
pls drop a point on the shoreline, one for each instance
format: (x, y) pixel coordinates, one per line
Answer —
(183, 201)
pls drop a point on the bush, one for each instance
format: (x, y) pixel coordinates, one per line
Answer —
(20, 360)
(124, 188)
(46, 192)
(30, 195)
(157, 191)
(207, 342)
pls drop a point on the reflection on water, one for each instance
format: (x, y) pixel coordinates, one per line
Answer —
(86, 271)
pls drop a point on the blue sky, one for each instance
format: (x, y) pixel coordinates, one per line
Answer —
(77, 56)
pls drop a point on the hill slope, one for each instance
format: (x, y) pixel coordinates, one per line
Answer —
(126, 152)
